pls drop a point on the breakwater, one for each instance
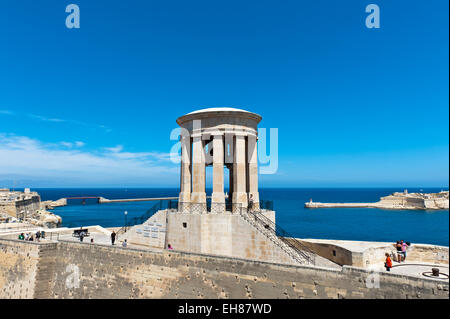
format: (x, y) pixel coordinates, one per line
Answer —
(103, 200)
(340, 205)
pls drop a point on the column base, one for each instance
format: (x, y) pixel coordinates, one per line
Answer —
(198, 202)
(218, 202)
(255, 199)
(184, 199)
(239, 201)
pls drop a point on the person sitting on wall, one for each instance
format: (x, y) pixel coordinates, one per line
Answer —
(169, 246)
(388, 263)
(21, 236)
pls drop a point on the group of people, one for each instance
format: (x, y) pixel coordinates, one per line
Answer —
(125, 243)
(401, 247)
(113, 239)
(31, 237)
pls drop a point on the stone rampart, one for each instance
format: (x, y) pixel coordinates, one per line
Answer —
(82, 270)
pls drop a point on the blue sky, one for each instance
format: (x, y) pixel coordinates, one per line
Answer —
(95, 106)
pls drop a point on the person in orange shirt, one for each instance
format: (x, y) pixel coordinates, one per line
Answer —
(388, 263)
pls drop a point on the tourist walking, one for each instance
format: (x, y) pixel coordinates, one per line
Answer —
(250, 203)
(388, 262)
(404, 247)
(38, 235)
(113, 238)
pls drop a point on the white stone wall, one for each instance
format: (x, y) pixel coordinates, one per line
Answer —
(151, 233)
(223, 234)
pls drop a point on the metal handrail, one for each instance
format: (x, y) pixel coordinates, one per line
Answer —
(297, 250)
(301, 253)
(301, 250)
(140, 219)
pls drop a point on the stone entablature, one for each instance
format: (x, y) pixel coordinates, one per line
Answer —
(220, 137)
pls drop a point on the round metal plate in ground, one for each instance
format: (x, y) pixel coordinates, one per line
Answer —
(430, 274)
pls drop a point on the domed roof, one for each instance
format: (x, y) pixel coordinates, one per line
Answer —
(219, 111)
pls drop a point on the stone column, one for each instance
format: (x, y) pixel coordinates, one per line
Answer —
(185, 174)
(253, 170)
(218, 196)
(239, 177)
(198, 196)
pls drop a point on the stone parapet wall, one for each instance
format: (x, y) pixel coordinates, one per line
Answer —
(374, 253)
(44, 270)
(335, 253)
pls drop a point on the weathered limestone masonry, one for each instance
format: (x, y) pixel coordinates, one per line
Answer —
(225, 234)
(19, 204)
(21, 268)
(25, 206)
(41, 271)
(221, 137)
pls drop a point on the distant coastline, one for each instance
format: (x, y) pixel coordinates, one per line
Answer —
(397, 200)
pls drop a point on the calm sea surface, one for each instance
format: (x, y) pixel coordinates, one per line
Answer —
(366, 224)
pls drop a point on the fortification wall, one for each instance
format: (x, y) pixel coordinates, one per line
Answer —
(18, 268)
(51, 271)
(8, 208)
(20, 208)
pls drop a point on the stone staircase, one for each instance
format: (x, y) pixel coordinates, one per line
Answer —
(299, 253)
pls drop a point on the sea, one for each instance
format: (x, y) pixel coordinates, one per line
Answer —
(361, 224)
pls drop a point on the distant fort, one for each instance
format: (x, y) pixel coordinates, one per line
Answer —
(396, 200)
(26, 208)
